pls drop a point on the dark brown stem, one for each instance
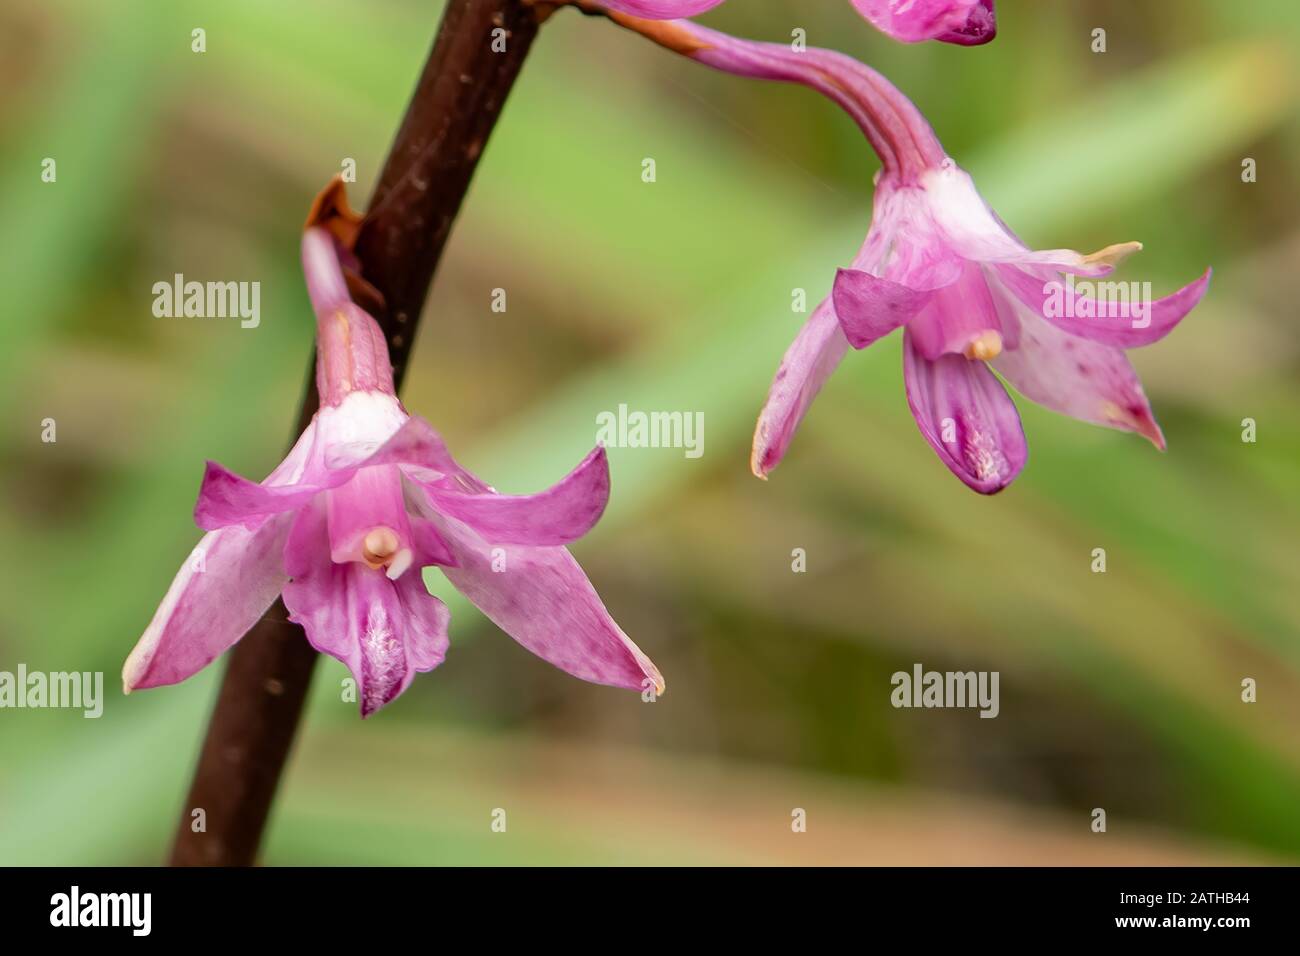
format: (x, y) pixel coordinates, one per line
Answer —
(476, 59)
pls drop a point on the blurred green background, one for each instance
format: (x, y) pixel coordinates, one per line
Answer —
(1119, 690)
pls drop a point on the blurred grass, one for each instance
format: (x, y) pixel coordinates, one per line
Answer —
(674, 295)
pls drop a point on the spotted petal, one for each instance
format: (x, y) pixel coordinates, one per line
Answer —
(967, 417)
(1091, 382)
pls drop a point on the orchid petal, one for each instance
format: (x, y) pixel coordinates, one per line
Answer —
(1091, 382)
(981, 27)
(221, 591)
(968, 227)
(542, 598)
(561, 514)
(964, 22)
(226, 498)
(868, 307)
(1048, 298)
(966, 416)
(812, 357)
(430, 548)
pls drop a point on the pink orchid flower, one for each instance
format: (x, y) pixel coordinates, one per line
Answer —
(367, 497)
(964, 22)
(969, 295)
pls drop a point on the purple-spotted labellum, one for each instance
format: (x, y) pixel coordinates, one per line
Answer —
(342, 528)
(964, 22)
(969, 295)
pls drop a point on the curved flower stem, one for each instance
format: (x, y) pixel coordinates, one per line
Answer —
(454, 108)
(894, 127)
